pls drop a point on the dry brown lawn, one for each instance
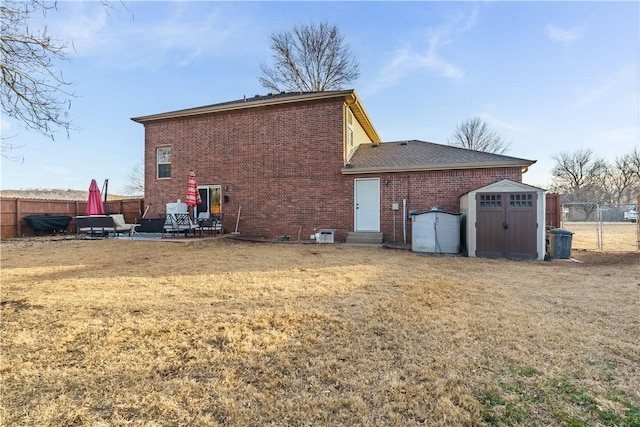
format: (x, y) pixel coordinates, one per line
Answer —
(227, 333)
(606, 236)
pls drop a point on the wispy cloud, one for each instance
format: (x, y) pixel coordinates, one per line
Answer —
(504, 124)
(607, 87)
(409, 59)
(121, 38)
(563, 35)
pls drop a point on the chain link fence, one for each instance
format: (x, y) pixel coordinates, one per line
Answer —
(603, 227)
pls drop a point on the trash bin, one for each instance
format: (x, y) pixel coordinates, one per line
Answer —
(560, 243)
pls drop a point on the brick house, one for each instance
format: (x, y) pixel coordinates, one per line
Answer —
(300, 162)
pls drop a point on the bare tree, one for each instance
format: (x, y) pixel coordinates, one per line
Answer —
(623, 181)
(579, 176)
(33, 91)
(136, 181)
(475, 134)
(310, 58)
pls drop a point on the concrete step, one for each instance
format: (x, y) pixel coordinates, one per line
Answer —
(364, 237)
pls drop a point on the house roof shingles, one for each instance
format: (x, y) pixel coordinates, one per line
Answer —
(245, 102)
(349, 96)
(406, 156)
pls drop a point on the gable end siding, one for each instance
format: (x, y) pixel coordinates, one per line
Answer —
(360, 136)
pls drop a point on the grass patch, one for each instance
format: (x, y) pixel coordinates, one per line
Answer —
(554, 401)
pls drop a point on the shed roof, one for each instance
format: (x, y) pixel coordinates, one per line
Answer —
(405, 156)
(349, 96)
(506, 185)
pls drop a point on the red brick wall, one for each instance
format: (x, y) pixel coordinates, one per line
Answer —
(426, 190)
(282, 165)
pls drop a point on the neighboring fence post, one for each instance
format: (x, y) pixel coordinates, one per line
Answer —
(599, 223)
(638, 224)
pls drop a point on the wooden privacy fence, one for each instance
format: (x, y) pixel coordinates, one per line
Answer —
(13, 210)
(553, 209)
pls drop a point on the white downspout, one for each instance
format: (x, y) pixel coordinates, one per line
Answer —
(404, 220)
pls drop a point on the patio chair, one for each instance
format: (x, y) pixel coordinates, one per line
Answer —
(179, 222)
(210, 223)
(121, 226)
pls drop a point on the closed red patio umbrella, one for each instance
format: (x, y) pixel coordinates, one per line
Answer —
(193, 196)
(94, 202)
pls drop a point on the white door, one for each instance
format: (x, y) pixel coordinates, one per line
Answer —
(367, 204)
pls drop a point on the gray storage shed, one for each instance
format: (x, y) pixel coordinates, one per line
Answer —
(435, 231)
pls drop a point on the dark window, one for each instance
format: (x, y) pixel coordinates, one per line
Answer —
(520, 200)
(490, 200)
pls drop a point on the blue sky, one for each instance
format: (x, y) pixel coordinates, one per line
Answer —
(549, 76)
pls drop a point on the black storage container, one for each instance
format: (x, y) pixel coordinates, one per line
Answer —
(150, 225)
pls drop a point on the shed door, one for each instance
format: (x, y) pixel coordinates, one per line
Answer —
(506, 225)
(367, 204)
